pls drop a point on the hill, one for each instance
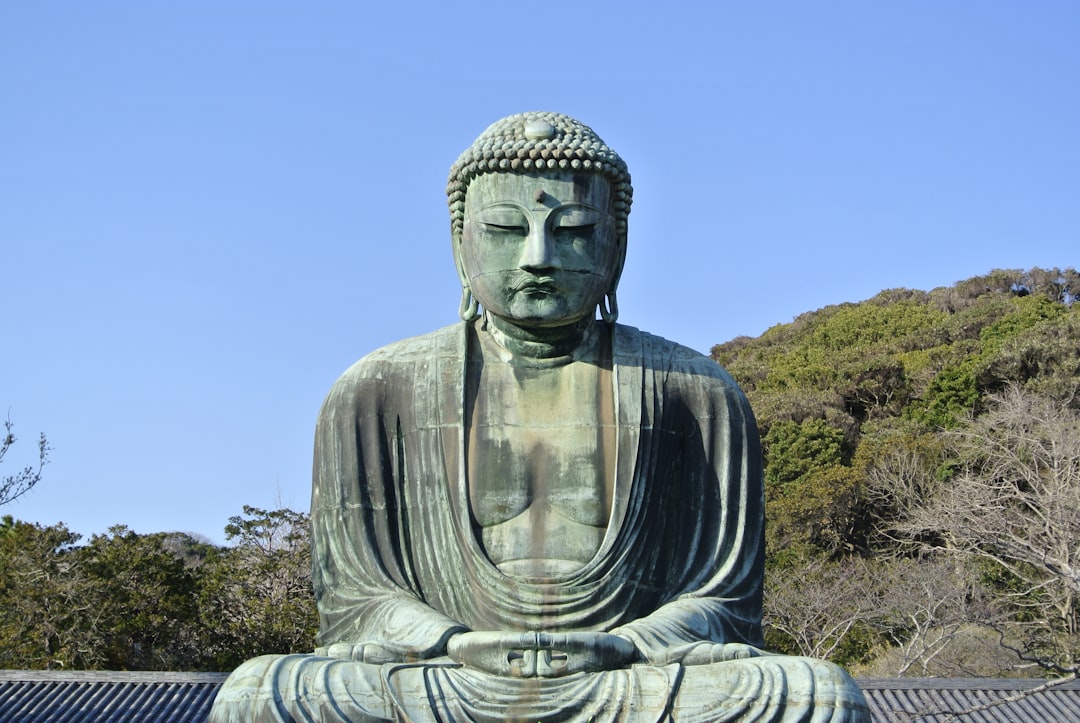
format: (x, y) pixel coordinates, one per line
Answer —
(869, 410)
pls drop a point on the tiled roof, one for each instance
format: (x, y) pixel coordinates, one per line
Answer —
(106, 697)
(34, 696)
(930, 700)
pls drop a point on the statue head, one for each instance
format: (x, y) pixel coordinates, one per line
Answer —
(538, 208)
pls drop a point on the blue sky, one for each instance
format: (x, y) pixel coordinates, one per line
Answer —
(208, 210)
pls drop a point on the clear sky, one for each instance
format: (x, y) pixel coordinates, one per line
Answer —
(209, 209)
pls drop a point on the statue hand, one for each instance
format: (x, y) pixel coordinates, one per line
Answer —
(706, 653)
(543, 655)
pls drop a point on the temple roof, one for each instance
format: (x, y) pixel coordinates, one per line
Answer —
(919, 699)
(35, 696)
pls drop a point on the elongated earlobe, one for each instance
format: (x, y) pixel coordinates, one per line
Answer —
(469, 309)
(609, 308)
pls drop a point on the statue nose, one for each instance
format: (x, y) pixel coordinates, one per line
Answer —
(539, 251)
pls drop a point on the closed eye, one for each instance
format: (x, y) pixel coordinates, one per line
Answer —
(579, 230)
(506, 228)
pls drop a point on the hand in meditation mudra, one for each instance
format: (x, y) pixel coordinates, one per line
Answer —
(536, 514)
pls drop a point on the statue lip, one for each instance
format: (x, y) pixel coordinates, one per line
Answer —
(535, 283)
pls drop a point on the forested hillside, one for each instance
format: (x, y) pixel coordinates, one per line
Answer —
(923, 507)
(923, 476)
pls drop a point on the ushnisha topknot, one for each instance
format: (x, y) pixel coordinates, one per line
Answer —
(538, 142)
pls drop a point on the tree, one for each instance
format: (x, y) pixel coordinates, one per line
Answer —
(870, 420)
(938, 618)
(257, 596)
(824, 609)
(14, 486)
(43, 613)
(1013, 506)
(121, 602)
(886, 618)
(162, 601)
(146, 613)
(808, 488)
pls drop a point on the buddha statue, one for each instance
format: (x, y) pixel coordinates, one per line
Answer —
(538, 514)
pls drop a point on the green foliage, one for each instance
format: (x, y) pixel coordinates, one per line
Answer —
(144, 597)
(1002, 323)
(164, 601)
(41, 610)
(824, 382)
(1046, 359)
(858, 645)
(808, 485)
(950, 397)
(1026, 313)
(794, 450)
(856, 393)
(257, 596)
(817, 512)
(875, 323)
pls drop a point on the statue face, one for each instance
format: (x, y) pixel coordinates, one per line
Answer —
(539, 250)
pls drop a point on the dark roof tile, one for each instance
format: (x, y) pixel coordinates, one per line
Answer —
(111, 697)
(156, 697)
(927, 700)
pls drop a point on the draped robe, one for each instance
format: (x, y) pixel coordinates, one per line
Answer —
(398, 565)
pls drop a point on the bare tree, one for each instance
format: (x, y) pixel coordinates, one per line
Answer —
(14, 486)
(916, 616)
(817, 604)
(938, 618)
(1014, 506)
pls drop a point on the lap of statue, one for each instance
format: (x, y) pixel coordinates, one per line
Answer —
(743, 684)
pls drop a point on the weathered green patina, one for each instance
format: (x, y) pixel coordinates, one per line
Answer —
(538, 514)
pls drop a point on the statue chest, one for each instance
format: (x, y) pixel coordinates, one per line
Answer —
(540, 463)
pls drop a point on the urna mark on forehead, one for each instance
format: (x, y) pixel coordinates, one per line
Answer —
(539, 143)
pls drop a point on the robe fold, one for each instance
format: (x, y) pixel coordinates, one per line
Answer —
(398, 566)
(397, 559)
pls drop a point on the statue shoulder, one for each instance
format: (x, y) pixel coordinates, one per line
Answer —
(695, 378)
(398, 361)
(672, 356)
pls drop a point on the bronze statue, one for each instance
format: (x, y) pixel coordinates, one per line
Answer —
(537, 514)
